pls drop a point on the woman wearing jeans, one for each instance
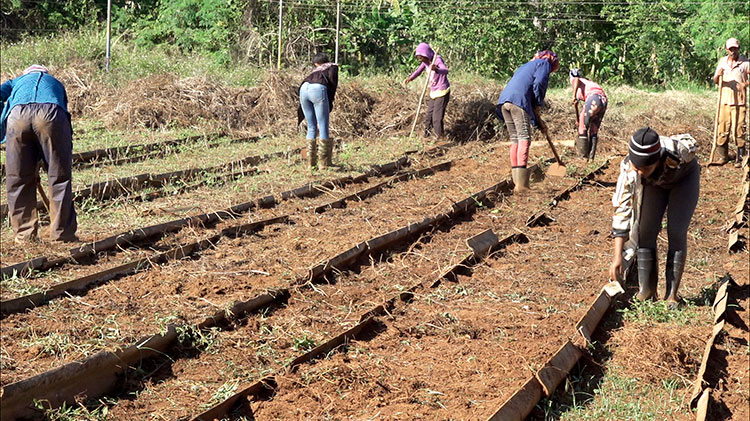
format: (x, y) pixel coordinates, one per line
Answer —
(659, 174)
(316, 101)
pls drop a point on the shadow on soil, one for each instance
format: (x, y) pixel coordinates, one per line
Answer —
(587, 376)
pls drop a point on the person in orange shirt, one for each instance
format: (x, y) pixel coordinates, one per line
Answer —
(733, 69)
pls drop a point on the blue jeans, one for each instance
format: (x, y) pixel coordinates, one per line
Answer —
(314, 100)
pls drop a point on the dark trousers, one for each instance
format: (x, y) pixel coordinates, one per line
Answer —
(34, 132)
(678, 200)
(433, 119)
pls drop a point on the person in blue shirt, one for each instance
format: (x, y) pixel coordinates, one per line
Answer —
(35, 123)
(518, 106)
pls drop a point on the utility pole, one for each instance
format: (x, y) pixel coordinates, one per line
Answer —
(109, 29)
(278, 59)
(338, 27)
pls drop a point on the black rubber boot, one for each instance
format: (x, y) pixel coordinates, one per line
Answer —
(583, 146)
(594, 142)
(740, 157)
(647, 273)
(675, 267)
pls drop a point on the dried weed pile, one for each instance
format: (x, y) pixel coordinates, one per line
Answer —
(657, 352)
(381, 108)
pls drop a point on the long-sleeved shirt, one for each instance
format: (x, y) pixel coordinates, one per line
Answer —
(326, 74)
(677, 151)
(439, 77)
(32, 88)
(528, 87)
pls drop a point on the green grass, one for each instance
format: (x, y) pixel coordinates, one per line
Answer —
(85, 49)
(619, 397)
(80, 412)
(649, 312)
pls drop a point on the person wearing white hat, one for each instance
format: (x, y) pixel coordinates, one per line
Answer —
(734, 70)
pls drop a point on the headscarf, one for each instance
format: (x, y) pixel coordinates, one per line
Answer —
(424, 50)
(550, 56)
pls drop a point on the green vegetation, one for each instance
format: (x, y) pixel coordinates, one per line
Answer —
(649, 311)
(656, 43)
(94, 412)
(619, 397)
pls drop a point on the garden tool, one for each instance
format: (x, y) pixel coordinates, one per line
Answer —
(647, 273)
(716, 124)
(675, 267)
(424, 90)
(556, 169)
(39, 187)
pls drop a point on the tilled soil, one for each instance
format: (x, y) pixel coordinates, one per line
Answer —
(311, 316)
(205, 200)
(142, 304)
(460, 349)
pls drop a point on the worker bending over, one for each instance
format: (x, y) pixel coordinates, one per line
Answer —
(36, 125)
(659, 173)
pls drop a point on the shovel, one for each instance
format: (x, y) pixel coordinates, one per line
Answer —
(556, 169)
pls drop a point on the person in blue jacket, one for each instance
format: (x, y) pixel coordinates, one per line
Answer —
(36, 125)
(518, 106)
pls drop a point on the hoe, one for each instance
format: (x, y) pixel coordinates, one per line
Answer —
(556, 169)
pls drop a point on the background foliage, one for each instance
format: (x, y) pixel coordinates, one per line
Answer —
(639, 42)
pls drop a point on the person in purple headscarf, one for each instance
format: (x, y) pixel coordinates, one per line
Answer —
(440, 88)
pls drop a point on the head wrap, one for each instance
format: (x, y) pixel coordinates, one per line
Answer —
(732, 42)
(550, 56)
(575, 73)
(424, 50)
(35, 68)
(644, 147)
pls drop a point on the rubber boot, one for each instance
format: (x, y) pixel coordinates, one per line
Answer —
(312, 152)
(647, 273)
(675, 267)
(740, 157)
(594, 142)
(582, 146)
(522, 176)
(722, 155)
(326, 152)
(514, 176)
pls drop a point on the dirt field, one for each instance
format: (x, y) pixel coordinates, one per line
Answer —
(455, 349)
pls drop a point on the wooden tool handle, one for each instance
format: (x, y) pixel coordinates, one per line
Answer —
(716, 121)
(552, 146)
(424, 90)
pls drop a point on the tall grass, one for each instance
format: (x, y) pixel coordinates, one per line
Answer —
(85, 49)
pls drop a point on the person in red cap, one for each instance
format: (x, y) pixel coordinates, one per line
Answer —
(734, 70)
(660, 174)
